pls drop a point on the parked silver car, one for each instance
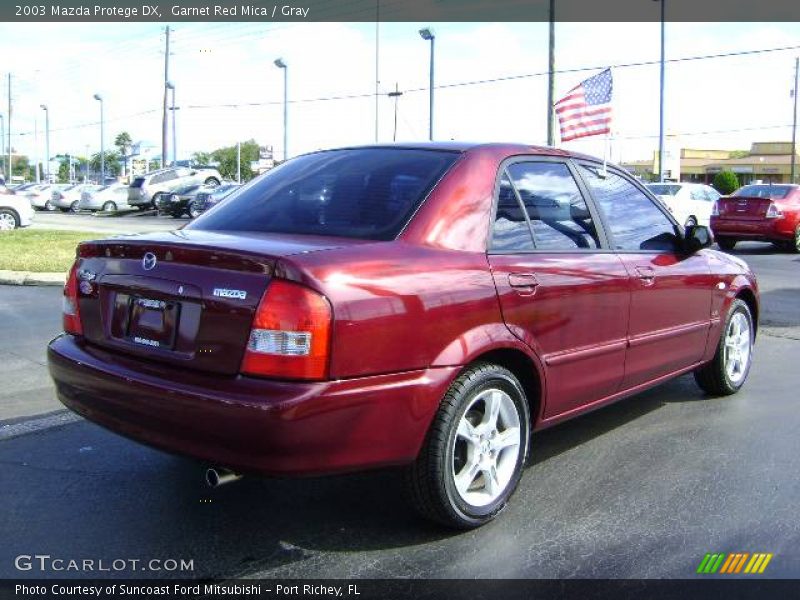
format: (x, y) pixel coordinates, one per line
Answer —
(69, 198)
(143, 189)
(109, 198)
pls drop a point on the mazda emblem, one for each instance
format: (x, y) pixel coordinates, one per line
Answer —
(149, 261)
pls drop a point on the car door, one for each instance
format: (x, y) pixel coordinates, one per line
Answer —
(670, 300)
(561, 291)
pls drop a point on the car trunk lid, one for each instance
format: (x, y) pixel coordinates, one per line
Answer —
(186, 298)
(745, 208)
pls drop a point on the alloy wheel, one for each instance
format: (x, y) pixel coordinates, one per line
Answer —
(738, 347)
(7, 222)
(797, 239)
(486, 447)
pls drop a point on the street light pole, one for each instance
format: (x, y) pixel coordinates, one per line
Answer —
(281, 64)
(396, 95)
(2, 143)
(427, 34)
(794, 124)
(171, 86)
(661, 98)
(47, 141)
(99, 98)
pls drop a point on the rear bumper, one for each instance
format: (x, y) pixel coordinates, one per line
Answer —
(756, 229)
(249, 424)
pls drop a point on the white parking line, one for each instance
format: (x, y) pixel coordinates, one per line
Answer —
(33, 425)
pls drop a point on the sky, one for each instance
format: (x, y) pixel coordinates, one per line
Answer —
(228, 89)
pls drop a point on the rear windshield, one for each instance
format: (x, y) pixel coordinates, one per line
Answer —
(365, 193)
(764, 191)
(661, 189)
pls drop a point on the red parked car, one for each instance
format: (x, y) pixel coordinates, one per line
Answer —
(761, 212)
(424, 306)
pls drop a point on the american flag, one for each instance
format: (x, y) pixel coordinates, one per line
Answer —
(586, 109)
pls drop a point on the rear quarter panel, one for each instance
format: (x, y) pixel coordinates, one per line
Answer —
(399, 307)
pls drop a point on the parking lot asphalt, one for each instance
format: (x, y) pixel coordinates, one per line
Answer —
(113, 225)
(643, 488)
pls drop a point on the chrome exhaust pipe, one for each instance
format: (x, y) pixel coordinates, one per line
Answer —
(217, 476)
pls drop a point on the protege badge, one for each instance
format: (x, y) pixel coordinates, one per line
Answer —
(223, 293)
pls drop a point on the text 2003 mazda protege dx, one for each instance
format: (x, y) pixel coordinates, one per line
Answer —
(425, 306)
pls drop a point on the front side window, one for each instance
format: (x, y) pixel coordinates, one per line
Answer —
(364, 193)
(634, 221)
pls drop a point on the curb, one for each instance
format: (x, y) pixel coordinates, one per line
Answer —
(28, 278)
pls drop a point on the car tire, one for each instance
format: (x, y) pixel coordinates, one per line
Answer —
(470, 465)
(109, 207)
(9, 220)
(726, 244)
(211, 181)
(194, 212)
(75, 206)
(49, 206)
(794, 245)
(691, 221)
(722, 376)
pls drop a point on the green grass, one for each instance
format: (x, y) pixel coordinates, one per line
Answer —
(41, 250)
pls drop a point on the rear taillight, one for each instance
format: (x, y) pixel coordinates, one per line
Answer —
(773, 212)
(715, 209)
(72, 315)
(290, 337)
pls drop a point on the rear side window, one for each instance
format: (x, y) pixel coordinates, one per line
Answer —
(764, 191)
(542, 200)
(138, 182)
(365, 193)
(636, 223)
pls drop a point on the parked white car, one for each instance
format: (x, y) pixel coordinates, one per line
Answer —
(15, 211)
(39, 195)
(69, 198)
(108, 199)
(689, 203)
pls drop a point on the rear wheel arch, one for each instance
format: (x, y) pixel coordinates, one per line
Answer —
(526, 369)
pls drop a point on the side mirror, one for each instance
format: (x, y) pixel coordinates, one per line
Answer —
(697, 237)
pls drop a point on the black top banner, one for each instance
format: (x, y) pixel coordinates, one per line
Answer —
(399, 10)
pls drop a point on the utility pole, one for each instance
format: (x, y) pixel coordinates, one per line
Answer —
(661, 99)
(396, 95)
(377, 49)
(47, 141)
(794, 124)
(164, 126)
(238, 162)
(10, 166)
(551, 75)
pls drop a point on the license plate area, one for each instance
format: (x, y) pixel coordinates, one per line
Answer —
(151, 322)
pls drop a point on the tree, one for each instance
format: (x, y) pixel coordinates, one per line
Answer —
(201, 158)
(112, 160)
(726, 182)
(123, 143)
(226, 159)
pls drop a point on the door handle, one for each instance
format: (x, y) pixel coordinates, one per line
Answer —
(647, 275)
(523, 283)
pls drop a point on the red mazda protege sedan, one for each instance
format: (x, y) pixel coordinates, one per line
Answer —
(426, 306)
(760, 212)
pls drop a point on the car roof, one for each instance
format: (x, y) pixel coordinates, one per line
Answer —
(464, 147)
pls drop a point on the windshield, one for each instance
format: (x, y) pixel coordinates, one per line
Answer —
(663, 189)
(365, 193)
(764, 191)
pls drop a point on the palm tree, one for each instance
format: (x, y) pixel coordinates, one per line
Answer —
(123, 143)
